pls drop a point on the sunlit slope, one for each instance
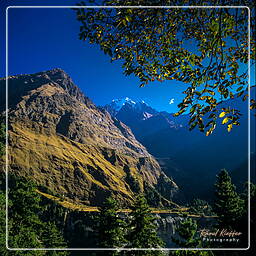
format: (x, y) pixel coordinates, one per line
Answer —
(60, 139)
(74, 170)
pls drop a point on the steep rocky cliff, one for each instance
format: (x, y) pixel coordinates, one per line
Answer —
(61, 140)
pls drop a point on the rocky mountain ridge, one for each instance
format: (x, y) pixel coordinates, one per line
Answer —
(142, 118)
(190, 157)
(61, 140)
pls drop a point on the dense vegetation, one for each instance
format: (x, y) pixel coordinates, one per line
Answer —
(30, 224)
(42, 221)
(134, 230)
(111, 228)
(202, 207)
(143, 229)
(206, 48)
(228, 205)
(188, 238)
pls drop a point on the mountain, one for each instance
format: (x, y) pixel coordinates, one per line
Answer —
(160, 132)
(190, 157)
(117, 106)
(62, 141)
(144, 120)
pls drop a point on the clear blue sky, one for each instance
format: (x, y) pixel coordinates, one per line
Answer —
(42, 39)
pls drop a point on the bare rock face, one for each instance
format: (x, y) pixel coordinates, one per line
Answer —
(61, 140)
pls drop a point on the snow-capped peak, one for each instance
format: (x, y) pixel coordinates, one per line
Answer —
(117, 104)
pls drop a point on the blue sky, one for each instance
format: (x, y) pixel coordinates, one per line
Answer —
(42, 39)
(46, 38)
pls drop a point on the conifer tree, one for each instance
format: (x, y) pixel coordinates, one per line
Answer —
(53, 238)
(110, 227)
(143, 230)
(26, 209)
(187, 234)
(187, 238)
(26, 227)
(228, 205)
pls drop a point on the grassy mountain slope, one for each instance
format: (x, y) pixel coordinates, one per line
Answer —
(60, 139)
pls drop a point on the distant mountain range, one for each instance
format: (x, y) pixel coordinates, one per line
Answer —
(189, 157)
(62, 141)
(143, 119)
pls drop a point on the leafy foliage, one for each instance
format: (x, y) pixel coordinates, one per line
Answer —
(206, 48)
(228, 205)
